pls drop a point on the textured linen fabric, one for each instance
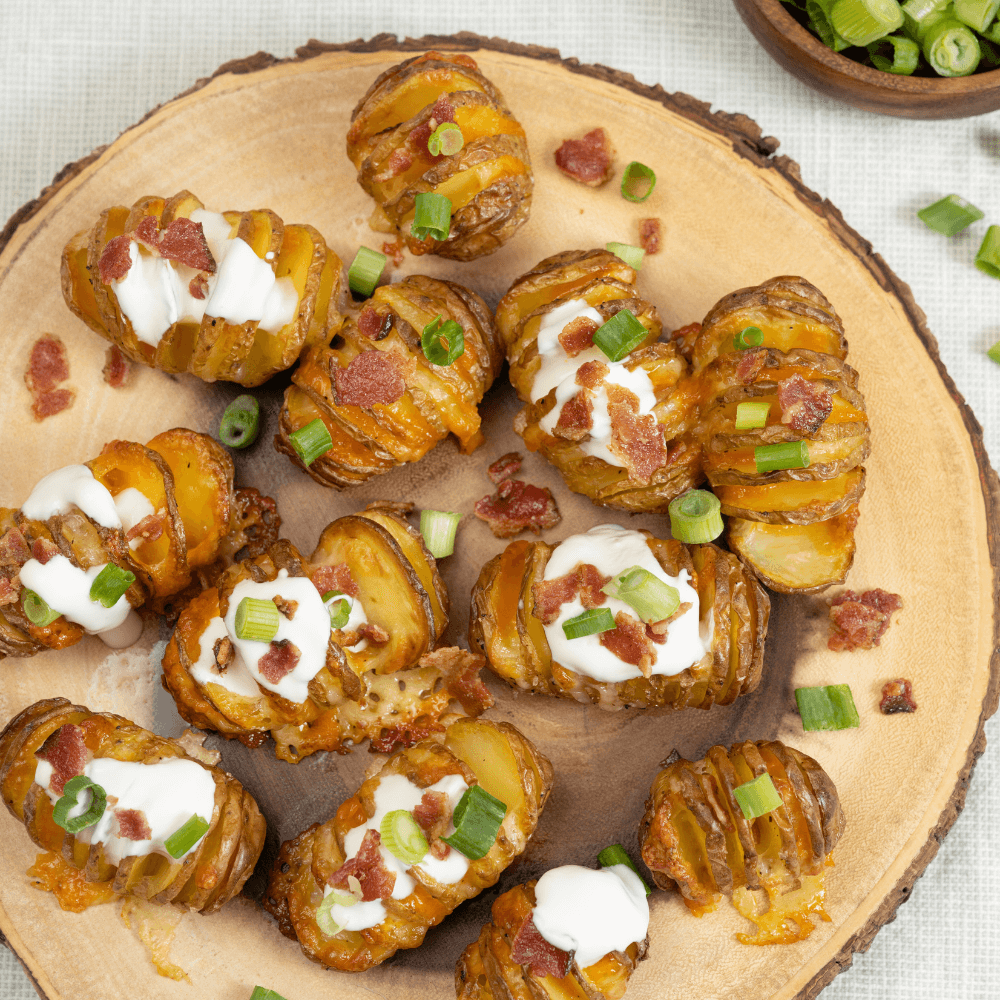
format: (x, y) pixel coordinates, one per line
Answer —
(73, 75)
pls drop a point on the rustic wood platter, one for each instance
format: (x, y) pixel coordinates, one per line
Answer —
(262, 133)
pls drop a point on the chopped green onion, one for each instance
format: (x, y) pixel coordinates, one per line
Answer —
(37, 611)
(324, 918)
(752, 414)
(784, 455)
(625, 251)
(110, 584)
(183, 839)
(695, 517)
(647, 595)
(757, 797)
(861, 22)
(445, 140)
(259, 993)
(895, 54)
(615, 855)
(819, 19)
(994, 352)
(988, 257)
(589, 623)
(311, 441)
(919, 16)
(950, 215)
(438, 528)
(993, 32)
(951, 48)
(620, 335)
(402, 837)
(240, 422)
(340, 611)
(749, 336)
(442, 343)
(70, 797)
(827, 708)
(977, 14)
(432, 216)
(257, 619)
(365, 270)
(635, 180)
(477, 821)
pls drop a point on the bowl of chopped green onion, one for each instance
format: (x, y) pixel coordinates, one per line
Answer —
(908, 58)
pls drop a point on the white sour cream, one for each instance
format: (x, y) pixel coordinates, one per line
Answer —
(613, 549)
(591, 912)
(205, 670)
(66, 588)
(355, 619)
(72, 486)
(132, 507)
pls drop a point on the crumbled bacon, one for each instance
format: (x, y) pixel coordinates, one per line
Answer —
(184, 241)
(576, 418)
(198, 287)
(591, 374)
(578, 335)
(504, 467)
(394, 250)
(286, 607)
(147, 233)
(804, 405)
(649, 235)
(371, 377)
(10, 590)
(375, 634)
(279, 660)
(443, 111)
(367, 867)
(585, 581)
(148, 529)
(657, 631)
(48, 404)
(636, 440)
(337, 577)
(587, 160)
(685, 336)
(400, 160)
(42, 550)
(860, 621)
(47, 365)
(133, 825)
(897, 696)
(750, 364)
(628, 641)
(460, 668)
(531, 949)
(433, 815)
(518, 506)
(66, 751)
(374, 326)
(115, 259)
(405, 735)
(116, 368)
(224, 653)
(14, 549)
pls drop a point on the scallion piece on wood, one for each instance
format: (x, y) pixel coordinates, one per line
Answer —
(749, 336)
(442, 342)
(638, 182)
(183, 839)
(950, 215)
(625, 251)
(445, 140)
(615, 855)
(647, 595)
(757, 797)
(819, 19)
(438, 528)
(37, 611)
(432, 216)
(895, 54)
(365, 270)
(259, 993)
(402, 837)
(311, 441)
(977, 14)
(752, 414)
(240, 422)
(477, 820)
(695, 517)
(340, 611)
(827, 708)
(784, 455)
(110, 584)
(951, 48)
(620, 335)
(70, 797)
(589, 623)
(256, 620)
(994, 352)
(988, 257)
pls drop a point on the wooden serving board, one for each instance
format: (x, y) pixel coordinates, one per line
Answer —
(261, 133)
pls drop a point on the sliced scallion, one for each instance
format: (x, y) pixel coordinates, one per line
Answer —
(615, 855)
(259, 993)
(70, 798)
(827, 708)
(340, 611)
(819, 19)
(442, 342)
(977, 14)
(432, 216)
(185, 837)
(625, 251)
(638, 182)
(257, 620)
(620, 335)
(749, 336)
(993, 32)
(445, 140)
(311, 441)
(589, 623)
(695, 517)
(988, 257)
(365, 270)
(861, 22)
(757, 797)
(752, 414)
(477, 820)
(324, 918)
(647, 595)
(110, 584)
(950, 215)
(994, 352)
(240, 422)
(784, 455)
(37, 611)
(402, 837)
(439, 528)
(895, 54)
(919, 16)
(951, 49)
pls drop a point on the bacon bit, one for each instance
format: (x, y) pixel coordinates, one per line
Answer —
(375, 634)
(897, 696)
(367, 867)
(576, 418)
(115, 259)
(14, 549)
(198, 287)
(66, 752)
(10, 590)
(460, 669)
(591, 374)
(504, 467)
(336, 577)
(43, 550)
(400, 160)
(629, 643)
(48, 404)
(804, 405)
(224, 653)
(543, 959)
(433, 816)
(578, 335)
(685, 336)
(443, 111)
(636, 440)
(657, 631)
(649, 235)
(405, 735)
(184, 241)
(518, 506)
(394, 250)
(374, 326)
(371, 377)
(279, 660)
(584, 580)
(750, 364)
(587, 160)
(116, 368)
(194, 746)
(287, 608)
(47, 365)
(147, 233)
(133, 825)
(859, 622)
(148, 529)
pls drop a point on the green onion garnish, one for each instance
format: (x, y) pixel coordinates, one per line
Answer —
(259, 993)
(785, 455)
(445, 140)
(589, 623)
(71, 791)
(919, 16)
(324, 918)
(625, 251)
(182, 840)
(340, 611)
(895, 54)
(37, 611)
(311, 441)
(827, 708)
(257, 619)
(240, 422)
(620, 335)
(365, 270)
(988, 257)
(477, 820)
(638, 182)
(442, 343)
(695, 517)
(978, 14)
(994, 352)
(861, 22)
(647, 595)
(438, 528)
(757, 797)
(751, 415)
(615, 855)
(993, 32)
(110, 584)
(402, 837)
(749, 336)
(432, 216)
(819, 19)
(951, 48)
(950, 215)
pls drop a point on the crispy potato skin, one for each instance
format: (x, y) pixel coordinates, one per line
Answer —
(489, 181)
(212, 349)
(503, 626)
(487, 971)
(209, 877)
(494, 755)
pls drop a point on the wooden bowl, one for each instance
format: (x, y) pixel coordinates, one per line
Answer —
(836, 75)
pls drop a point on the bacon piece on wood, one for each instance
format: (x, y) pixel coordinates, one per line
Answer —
(636, 440)
(148, 529)
(14, 549)
(860, 621)
(649, 235)
(367, 867)
(591, 374)
(116, 368)
(47, 365)
(543, 959)
(518, 506)
(628, 641)
(804, 405)
(198, 287)
(337, 577)
(576, 419)
(374, 326)
(10, 589)
(585, 581)
(578, 335)
(587, 160)
(375, 634)
(279, 660)
(42, 550)
(48, 404)
(133, 825)
(897, 696)
(116, 259)
(505, 466)
(371, 377)
(394, 250)
(66, 751)
(405, 735)
(750, 364)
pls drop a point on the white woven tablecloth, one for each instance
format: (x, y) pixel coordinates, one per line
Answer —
(75, 73)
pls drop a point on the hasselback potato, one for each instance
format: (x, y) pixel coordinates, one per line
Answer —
(166, 511)
(382, 401)
(235, 296)
(710, 652)
(402, 900)
(378, 675)
(488, 181)
(694, 834)
(153, 788)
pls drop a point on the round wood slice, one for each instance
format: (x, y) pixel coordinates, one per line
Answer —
(266, 133)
